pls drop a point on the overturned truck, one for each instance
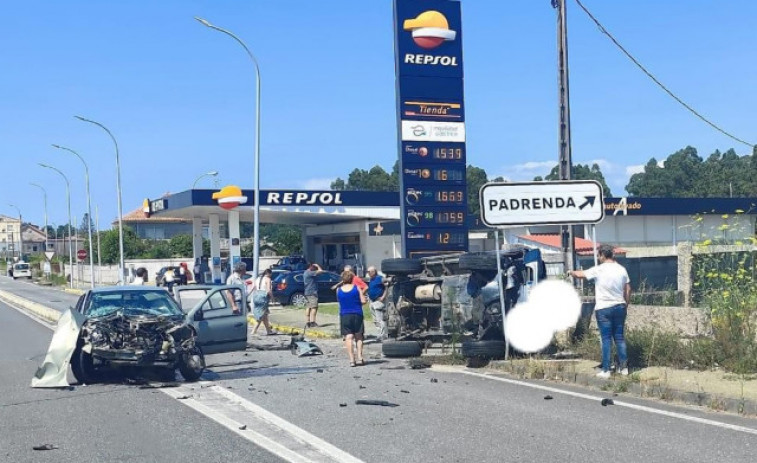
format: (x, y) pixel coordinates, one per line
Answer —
(456, 298)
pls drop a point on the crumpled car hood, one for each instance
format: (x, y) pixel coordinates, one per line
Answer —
(52, 372)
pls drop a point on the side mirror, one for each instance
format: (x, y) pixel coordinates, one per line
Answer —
(199, 316)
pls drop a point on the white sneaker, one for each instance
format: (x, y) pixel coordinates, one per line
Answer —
(603, 375)
(624, 372)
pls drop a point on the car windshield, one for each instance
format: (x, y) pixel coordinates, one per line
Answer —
(133, 303)
(22, 266)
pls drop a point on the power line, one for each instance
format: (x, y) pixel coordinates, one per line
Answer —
(649, 74)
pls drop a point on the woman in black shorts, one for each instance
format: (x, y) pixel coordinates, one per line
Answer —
(351, 302)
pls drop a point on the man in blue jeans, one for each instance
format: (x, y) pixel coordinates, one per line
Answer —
(612, 294)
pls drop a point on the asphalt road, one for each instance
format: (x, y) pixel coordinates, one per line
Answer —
(440, 416)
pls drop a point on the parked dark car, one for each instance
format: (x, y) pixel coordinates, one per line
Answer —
(289, 289)
(291, 263)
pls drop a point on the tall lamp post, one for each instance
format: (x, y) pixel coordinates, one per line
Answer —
(89, 213)
(99, 254)
(70, 235)
(44, 197)
(212, 173)
(118, 192)
(256, 206)
(20, 233)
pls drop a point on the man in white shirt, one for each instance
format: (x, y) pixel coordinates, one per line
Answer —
(612, 295)
(141, 277)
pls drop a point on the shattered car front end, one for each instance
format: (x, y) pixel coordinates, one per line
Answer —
(121, 340)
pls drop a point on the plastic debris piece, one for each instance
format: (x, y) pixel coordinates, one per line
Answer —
(380, 403)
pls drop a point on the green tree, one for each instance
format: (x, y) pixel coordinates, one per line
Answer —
(133, 246)
(285, 239)
(685, 174)
(476, 178)
(86, 221)
(580, 172)
(158, 249)
(180, 245)
(375, 179)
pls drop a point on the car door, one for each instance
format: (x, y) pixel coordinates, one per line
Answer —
(325, 282)
(209, 311)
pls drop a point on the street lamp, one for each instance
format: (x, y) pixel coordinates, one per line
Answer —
(44, 197)
(256, 205)
(99, 254)
(118, 192)
(20, 233)
(89, 213)
(212, 173)
(70, 243)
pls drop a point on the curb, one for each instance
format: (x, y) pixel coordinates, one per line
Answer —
(41, 311)
(78, 292)
(286, 329)
(648, 389)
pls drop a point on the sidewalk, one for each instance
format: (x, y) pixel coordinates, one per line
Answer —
(289, 319)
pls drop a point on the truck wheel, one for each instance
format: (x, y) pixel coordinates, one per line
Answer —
(484, 349)
(479, 262)
(401, 349)
(401, 266)
(83, 367)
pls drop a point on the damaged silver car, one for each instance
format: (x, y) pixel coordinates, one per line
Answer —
(142, 327)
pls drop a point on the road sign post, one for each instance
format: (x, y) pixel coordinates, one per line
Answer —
(541, 203)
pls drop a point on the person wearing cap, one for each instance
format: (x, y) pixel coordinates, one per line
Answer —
(612, 296)
(311, 294)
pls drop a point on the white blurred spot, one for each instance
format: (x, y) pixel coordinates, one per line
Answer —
(526, 328)
(559, 303)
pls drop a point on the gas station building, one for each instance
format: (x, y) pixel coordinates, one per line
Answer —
(362, 228)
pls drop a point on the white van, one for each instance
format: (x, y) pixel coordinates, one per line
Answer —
(22, 270)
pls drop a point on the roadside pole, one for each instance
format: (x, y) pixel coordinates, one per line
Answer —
(565, 152)
(501, 284)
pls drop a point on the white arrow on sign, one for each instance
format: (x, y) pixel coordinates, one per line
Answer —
(542, 203)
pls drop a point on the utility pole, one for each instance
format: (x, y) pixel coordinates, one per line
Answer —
(566, 157)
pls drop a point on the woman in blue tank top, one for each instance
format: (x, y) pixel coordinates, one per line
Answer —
(351, 302)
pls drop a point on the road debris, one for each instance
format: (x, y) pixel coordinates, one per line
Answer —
(434, 380)
(404, 391)
(243, 427)
(548, 397)
(342, 404)
(606, 402)
(184, 397)
(380, 403)
(46, 447)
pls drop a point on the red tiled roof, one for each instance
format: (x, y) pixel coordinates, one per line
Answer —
(138, 215)
(584, 247)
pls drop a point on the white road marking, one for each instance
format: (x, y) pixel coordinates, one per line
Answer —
(618, 403)
(263, 428)
(37, 319)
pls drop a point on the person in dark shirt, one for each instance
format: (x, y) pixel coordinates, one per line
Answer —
(377, 296)
(351, 301)
(311, 294)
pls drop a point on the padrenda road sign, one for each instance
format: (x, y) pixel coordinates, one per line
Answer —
(541, 203)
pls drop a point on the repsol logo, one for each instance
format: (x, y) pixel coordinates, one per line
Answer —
(304, 198)
(420, 58)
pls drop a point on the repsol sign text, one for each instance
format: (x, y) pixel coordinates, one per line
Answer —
(304, 198)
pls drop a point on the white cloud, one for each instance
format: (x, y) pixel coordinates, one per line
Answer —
(316, 184)
(636, 169)
(533, 165)
(603, 164)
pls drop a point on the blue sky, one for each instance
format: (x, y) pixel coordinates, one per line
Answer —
(180, 97)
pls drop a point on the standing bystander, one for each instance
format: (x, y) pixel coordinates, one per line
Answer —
(377, 296)
(311, 294)
(351, 301)
(612, 295)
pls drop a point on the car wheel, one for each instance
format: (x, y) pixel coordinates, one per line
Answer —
(298, 300)
(192, 364)
(83, 368)
(491, 349)
(401, 266)
(479, 262)
(401, 349)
